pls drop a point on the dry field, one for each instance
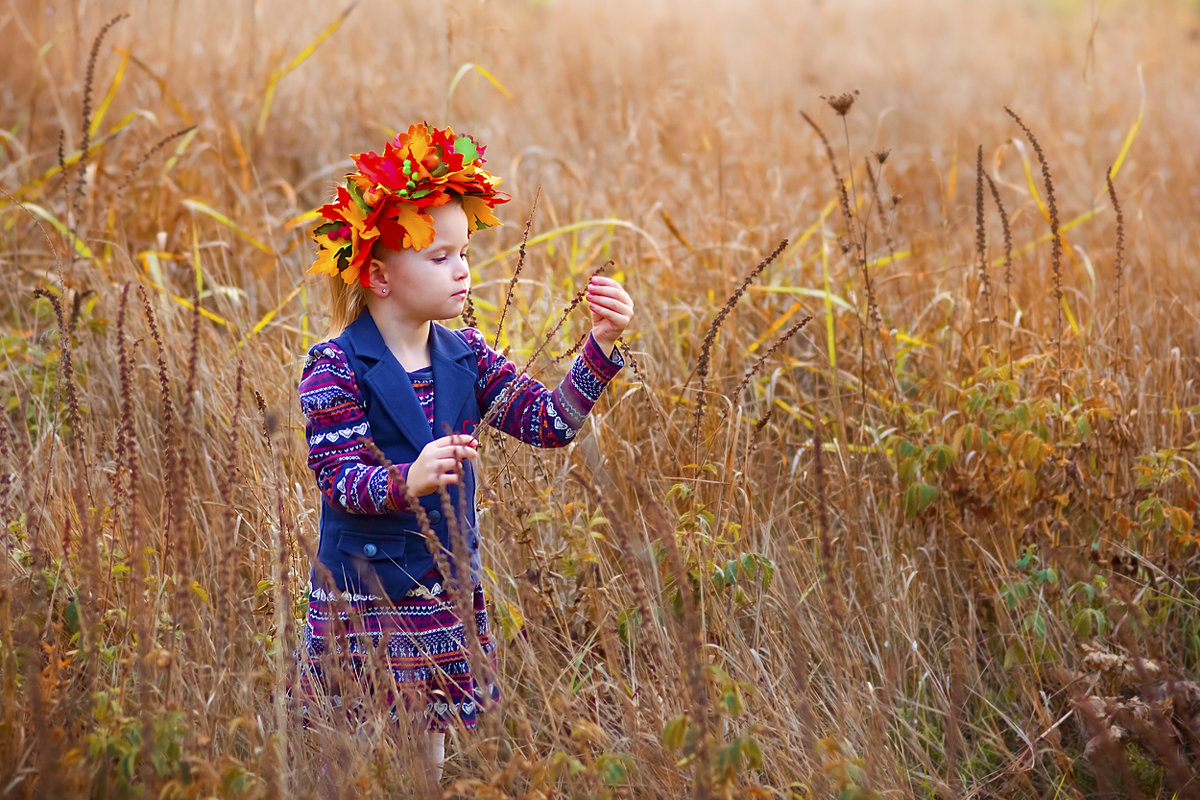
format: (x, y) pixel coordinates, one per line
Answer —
(938, 541)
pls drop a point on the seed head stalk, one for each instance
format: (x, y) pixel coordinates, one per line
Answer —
(1055, 248)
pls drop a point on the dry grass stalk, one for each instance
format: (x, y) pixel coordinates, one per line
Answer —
(704, 362)
(85, 125)
(193, 361)
(1119, 256)
(981, 236)
(512, 283)
(770, 351)
(172, 458)
(839, 184)
(932, 642)
(143, 160)
(66, 366)
(833, 594)
(1055, 247)
(1006, 231)
(571, 306)
(468, 314)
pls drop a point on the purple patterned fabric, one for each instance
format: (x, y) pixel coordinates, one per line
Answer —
(348, 475)
(420, 636)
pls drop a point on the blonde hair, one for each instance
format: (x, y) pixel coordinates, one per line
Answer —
(346, 302)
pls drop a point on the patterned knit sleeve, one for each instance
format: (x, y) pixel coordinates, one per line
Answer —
(347, 474)
(526, 409)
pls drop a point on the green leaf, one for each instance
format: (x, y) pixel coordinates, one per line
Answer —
(919, 497)
(752, 753)
(1047, 575)
(943, 456)
(1035, 624)
(354, 192)
(614, 769)
(675, 732)
(1027, 559)
(466, 147)
(71, 617)
(1083, 427)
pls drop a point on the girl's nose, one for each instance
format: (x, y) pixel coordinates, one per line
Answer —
(461, 268)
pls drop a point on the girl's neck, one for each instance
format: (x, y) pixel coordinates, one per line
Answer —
(407, 339)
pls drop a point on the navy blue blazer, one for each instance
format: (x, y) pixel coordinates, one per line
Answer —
(386, 554)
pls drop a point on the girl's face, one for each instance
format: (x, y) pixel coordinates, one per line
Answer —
(430, 284)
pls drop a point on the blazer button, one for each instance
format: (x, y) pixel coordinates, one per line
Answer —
(435, 517)
(369, 550)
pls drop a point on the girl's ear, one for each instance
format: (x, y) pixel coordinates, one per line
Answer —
(377, 276)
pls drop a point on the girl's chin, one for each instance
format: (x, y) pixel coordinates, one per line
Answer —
(457, 309)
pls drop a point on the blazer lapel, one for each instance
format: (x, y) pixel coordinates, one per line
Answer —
(389, 382)
(454, 376)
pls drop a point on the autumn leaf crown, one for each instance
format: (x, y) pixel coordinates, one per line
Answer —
(387, 199)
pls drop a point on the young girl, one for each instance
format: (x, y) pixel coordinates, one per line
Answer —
(394, 382)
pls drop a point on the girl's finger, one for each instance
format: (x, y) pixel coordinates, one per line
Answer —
(606, 291)
(611, 307)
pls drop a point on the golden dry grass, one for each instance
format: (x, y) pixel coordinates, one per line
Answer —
(957, 559)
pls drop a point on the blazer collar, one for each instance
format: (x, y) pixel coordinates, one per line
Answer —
(454, 376)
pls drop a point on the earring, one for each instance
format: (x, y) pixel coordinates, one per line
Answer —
(384, 292)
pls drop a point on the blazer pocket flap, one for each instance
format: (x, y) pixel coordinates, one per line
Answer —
(373, 547)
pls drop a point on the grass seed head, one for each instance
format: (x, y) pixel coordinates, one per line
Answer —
(841, 103)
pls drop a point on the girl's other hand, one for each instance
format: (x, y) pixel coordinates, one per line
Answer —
(437, 465)
(612, 308)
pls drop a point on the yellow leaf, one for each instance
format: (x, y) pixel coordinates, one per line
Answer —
(891, 257)
(73, 158)
(804, 291)
(199, 590)
(204, 312)
(1137, 123)
(179, 150)
(829, 328)
(269, 95)
(1070, 317)
(1066, 226)
(478, 213)
(906, 339)
(198, 206)
(163, 86)
(549, 236)
(270, 315)
(774, 326)
(1181, 521)
(38, 211)
(462, 71)
(1040, 203)
(518, 618)
(302, 220)
(102, 109)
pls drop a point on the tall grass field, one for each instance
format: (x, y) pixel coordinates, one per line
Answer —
(896, 496)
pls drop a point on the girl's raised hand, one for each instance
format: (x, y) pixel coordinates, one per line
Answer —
(437, 465)
(612, 308)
